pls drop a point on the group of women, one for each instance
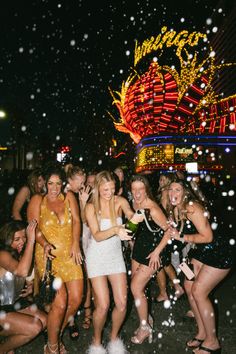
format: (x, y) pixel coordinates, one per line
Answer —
(55, 220)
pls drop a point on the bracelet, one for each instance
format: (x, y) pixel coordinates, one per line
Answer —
(31, 242)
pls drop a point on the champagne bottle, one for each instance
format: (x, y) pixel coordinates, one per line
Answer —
(130, 225)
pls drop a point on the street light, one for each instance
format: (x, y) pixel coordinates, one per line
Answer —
(2, 114)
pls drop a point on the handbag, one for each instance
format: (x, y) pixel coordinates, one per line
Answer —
(47, 292)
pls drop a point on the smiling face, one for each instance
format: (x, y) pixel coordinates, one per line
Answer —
(19, 240)
(138, 191)
(76, 182)
(176, 193)
(54, 185)
(107, 190)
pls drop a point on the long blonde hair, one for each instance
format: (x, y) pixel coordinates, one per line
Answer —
(103, 177)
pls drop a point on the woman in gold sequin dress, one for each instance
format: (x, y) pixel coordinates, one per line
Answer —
(58, 238)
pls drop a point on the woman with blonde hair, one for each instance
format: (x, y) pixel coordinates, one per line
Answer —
(76, 178)
(105, 263)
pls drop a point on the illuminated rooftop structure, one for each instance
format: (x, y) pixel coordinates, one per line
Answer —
(171, 103)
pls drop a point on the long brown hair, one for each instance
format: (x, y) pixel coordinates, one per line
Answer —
(7, 233)
(144, 180)
(188, 197)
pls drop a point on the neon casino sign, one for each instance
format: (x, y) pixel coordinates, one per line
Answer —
(168, 39)
(166, 100)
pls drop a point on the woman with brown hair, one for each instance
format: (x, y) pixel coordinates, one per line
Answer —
(35, 185)
(211, 259)
(150, 240)
(163, 199)
(57, 237)
(20, 320)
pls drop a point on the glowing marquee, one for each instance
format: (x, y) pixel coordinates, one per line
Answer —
(166, 100)
(169, 39)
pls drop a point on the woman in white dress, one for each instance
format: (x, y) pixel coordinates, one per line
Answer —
(105, 261)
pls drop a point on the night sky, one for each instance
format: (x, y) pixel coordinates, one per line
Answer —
(58, 59)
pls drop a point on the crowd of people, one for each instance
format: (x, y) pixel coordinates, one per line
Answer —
(78, 222)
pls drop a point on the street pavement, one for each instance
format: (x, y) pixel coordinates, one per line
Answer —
(171, 327)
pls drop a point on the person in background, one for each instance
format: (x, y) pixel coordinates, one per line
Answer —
(212, 258)
(76, 179)
(147, 257)
(20, 320)
(162, 200)
(123, 190)
(90, 180)
(58, 237)
(104, 258)
(35, 185)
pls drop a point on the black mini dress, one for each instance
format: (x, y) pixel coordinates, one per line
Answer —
(145, 241)
(218, 254)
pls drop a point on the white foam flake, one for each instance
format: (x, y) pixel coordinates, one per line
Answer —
(57, 283)
(209, 21)
(11, 190)
(214, 226)
(29, 156)
(167, 304)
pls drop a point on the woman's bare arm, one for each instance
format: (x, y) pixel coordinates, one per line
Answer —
(21, 197)
(21, 267)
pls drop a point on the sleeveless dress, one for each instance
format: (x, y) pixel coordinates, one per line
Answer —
(146, 241)
(105, 257)
(59, 234)
(217, 254)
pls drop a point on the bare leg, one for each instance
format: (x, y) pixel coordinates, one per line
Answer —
(20, 330)
(56, 316)
(87, 307)
(119, 288)
(102, 303)
(75, 293)
(206, 281)
(170, 271)
(140, 278)
(188, 287)
(161, 280)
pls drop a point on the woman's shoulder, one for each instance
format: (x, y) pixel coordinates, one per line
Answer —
(120, 200)
(194, 207)
(36, 199)
(89, 207)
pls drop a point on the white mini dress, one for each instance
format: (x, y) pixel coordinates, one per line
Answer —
(105, 257)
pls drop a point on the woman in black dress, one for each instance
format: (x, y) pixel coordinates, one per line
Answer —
(150, 240)
(212, 258)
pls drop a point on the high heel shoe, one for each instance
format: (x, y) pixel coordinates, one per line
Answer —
(51, 348)
(144, 332)
(208, 350)
(150, 322)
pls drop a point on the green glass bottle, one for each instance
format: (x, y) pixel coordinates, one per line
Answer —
(130, 225)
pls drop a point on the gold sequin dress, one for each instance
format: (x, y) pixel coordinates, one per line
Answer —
(59, 234)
